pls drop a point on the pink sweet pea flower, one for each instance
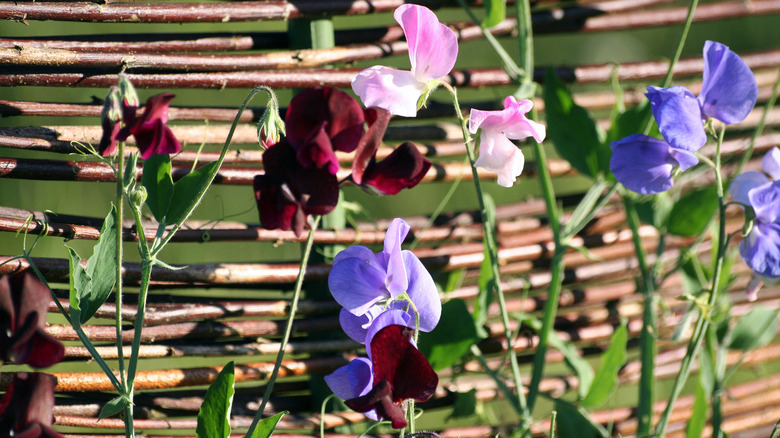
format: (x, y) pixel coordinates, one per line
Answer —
(433, 49)
(496, 152)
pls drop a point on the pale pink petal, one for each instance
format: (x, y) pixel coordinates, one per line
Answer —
(498, 154)
(394, 90)
(511, 121)
(433, 47)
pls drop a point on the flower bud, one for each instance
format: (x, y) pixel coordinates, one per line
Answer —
(137, 196)
(271, 126)
(130, 100)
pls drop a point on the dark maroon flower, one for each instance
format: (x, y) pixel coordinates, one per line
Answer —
(110, 118)
(25, 409)
(402, 169)
(320, 121)
(152, 135)
(24, 302)
(288, 192)
(400, 372)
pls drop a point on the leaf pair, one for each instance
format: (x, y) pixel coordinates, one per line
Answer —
(171, 203)
(214, 415)
(91, 286)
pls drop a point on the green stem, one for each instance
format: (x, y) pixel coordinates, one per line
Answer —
(120, 190)
(499, 381)
(511, 68)
(159, 246)
(670, 72)
(525, 37)
(760, 128)
(556, 268)
(493, 251)
(647, 345)
(702, 324)
(79, 331)
(288, 328)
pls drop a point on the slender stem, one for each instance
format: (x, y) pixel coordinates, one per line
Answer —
(647, 345)
(677, 54)
(493, 251)
(158, 247)
(760, 128)
(82, 336)
(525, 36)
(556, 268)
(511, 68)
(499, 381)
(120, 191)
(288, 328)
(703, 323)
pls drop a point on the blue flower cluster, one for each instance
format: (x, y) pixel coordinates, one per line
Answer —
(645, 164)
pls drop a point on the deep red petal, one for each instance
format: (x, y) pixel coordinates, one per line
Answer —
(156, 108)
(378, 119)
(380, 399)
(45, 350)
(396, 360)
(316, 152)
(313, 106)
(402, 169)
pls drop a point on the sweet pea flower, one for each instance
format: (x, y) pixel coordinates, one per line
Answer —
(152, 135)
(646, 165)
(433, 49)
(729, 90)
(397, 371)
(320, 121)
(760, 249)
(286, 193)
(728, 93)
(24, 302)
(496, 152)
(26, 407)
(363, 283)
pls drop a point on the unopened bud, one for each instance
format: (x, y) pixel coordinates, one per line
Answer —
(137, 196)
(127, 91)
(271, 127)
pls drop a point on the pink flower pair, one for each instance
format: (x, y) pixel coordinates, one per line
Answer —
(433, 49)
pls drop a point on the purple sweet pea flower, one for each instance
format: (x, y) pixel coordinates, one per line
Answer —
(760, 249)
(496, 152)
(645, 164)
(363, 282)
(433, 49)
(353, 380)
(26, 407)
(24, 302)
(729, 92)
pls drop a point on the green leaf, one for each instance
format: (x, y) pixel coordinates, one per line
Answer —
(101, 269)
(485, 283)
(495, 11)
(693, 211)
(79, 280)
(465, 404)
(452, 338)
(628, 122)
(159, 185)
(214, 415)
(654, 210)
(266, 427)
(572, 130)
(573, 423)
(698, 413)
(606, 377)
(754, 329)
(113, 407)
(187, 191)
(582, 210)
(575, 362)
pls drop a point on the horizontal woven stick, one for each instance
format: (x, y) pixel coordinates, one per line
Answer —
(342, 78)
(167, 313)
(20, 53)
(179, 378)
(247, 349)
(197, 330)
(214, 12)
